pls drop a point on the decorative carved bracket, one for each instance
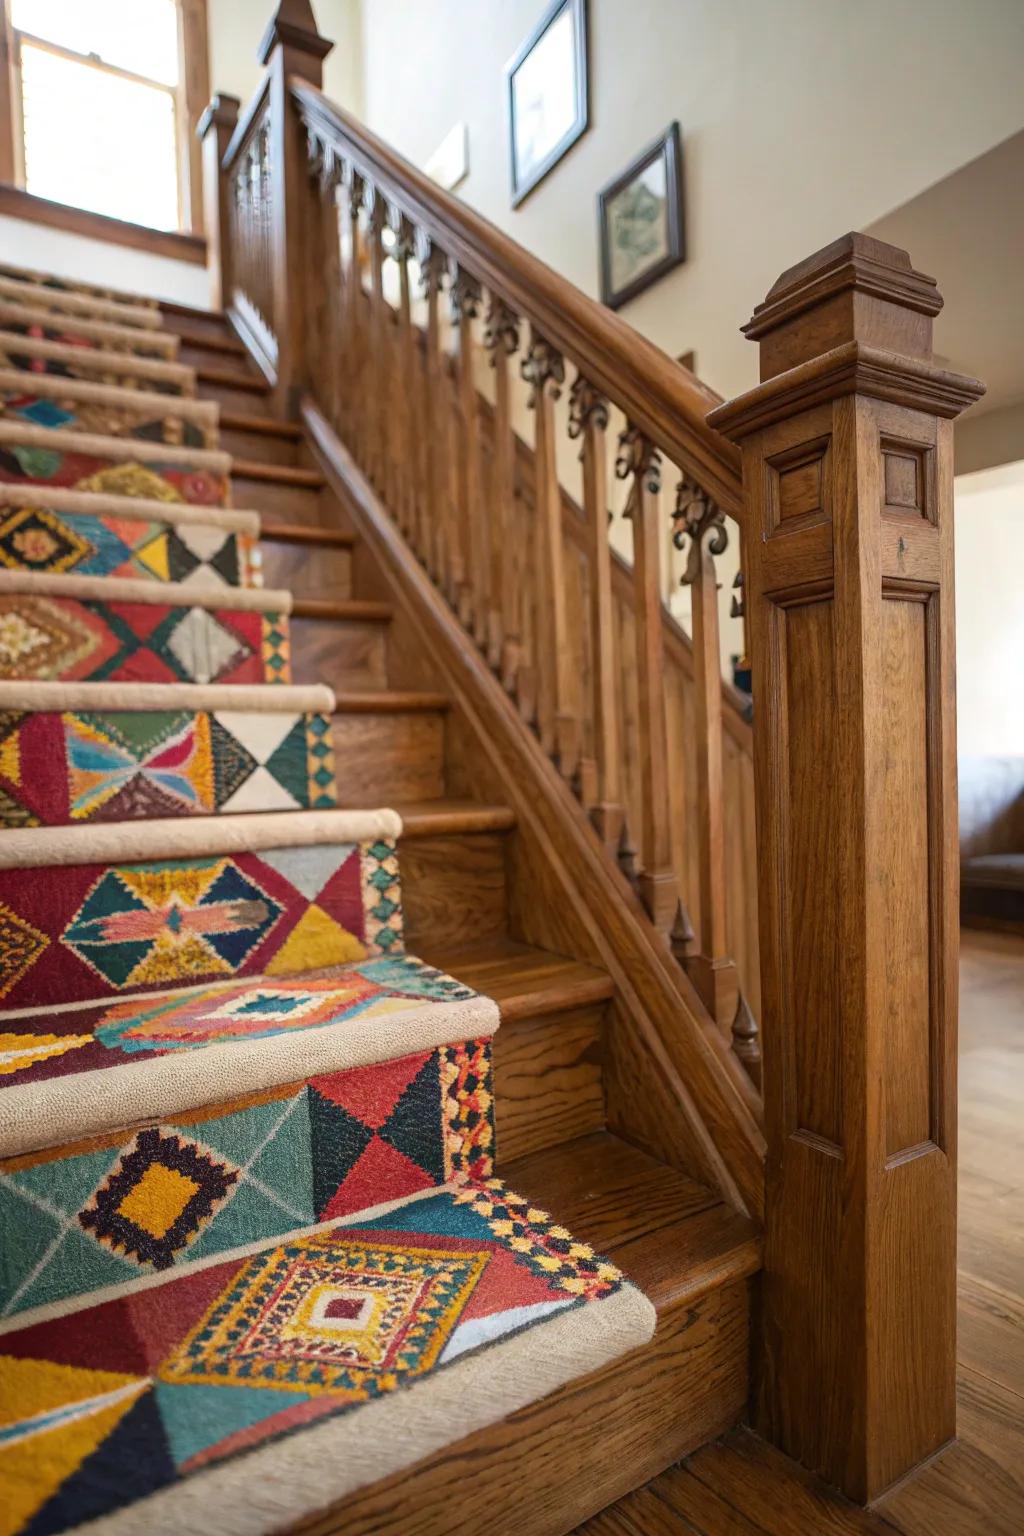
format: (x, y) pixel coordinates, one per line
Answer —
(501, 328)
(464, 295)
(433, 264)
(586, 404)
(737, 608)
(543, 368)
(404, 245)
(697, 518)
(638, 457)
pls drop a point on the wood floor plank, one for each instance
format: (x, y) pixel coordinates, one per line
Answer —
(775, 1495)
(990, 1331)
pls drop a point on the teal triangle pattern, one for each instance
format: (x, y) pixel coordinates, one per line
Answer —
(195, 1417)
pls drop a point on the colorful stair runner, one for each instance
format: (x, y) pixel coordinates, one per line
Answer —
(253, 1251)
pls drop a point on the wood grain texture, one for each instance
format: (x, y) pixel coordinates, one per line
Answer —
(382, 757)
(453, 889)
(342, 652)
(857, 862)
(565, 896)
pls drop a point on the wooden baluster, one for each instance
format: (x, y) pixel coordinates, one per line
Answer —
(354, 362)
(215, 128)
(848, 480)
(377, 371)
(320, 162)
(435, 416)
(544, 370)
(470, 595)
(501, 338)
(701, 524)
(406, 394)
(331, 279)
(588, 419)
(640, 462)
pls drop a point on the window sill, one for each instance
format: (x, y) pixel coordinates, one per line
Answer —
(18, 204)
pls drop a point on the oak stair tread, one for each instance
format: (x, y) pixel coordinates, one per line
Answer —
(229, 345)
(241, 421)
(233, 378)
(277, 474)
(441, 818)
(524, 981)
(302, 533)
(673, 1237)
(342, 608)
(389, 702)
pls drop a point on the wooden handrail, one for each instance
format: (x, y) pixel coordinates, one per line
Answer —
(250, 114)
(658, 395)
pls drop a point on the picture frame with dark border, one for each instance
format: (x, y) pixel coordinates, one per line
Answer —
(526, 173)
(667, 241)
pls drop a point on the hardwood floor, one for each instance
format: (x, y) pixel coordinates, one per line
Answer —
(741, 1487)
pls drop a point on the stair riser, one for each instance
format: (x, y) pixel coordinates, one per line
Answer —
(61, 638)
(453, 889)
(120, 476)
(69, 767)
(548, 1080)
(307, 571)
(280, 503)
(580, 1448)
(343, 653)
(261, 447)
(255, 402)
(194, 355)
(196, 323)
(317, 1161)
(389, 758)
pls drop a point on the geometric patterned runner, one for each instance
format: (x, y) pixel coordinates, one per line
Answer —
(156, 1386)
(56, 768)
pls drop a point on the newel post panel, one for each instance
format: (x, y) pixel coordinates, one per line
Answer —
(847, 450)
(291, 46)
(214, 131)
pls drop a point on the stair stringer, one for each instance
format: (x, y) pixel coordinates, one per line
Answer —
(673, 1086)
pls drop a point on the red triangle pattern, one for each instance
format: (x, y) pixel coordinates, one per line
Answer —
(380, 1175)
(371, 1093)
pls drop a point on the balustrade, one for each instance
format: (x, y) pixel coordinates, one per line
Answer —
(447, 385)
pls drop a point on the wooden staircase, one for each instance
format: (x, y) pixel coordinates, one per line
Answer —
(466, 877)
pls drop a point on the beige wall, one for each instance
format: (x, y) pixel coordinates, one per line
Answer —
(237, 27)
(990, 612)
(801, 119)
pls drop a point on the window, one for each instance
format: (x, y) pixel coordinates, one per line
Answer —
(104, 98)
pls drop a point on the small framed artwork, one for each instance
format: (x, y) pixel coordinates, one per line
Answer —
(641, 221)
(547, 94)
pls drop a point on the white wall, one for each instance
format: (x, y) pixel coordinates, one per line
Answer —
(990, 612)
(801, 119)
(95, 261)
(237, 28)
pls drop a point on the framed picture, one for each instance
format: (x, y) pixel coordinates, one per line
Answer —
(641, 221)
(546, 86)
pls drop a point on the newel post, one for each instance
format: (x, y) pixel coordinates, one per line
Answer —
(291, 46)
(214, 131)
(848, 578)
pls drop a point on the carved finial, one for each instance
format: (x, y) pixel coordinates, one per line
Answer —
(433, 265)
(629, 857)
(746, 1039)
(586, 404)
(464, 294)
(543, 368)
(737, 608)
(682, 937)
(696, 518)
(638, 457)
(501, 327)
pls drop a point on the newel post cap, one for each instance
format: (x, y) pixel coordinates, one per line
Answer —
(855, 289)
(293, 25)
(221, 113)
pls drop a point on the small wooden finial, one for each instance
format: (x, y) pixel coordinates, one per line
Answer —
(293, 25)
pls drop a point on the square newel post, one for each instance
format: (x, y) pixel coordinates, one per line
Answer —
(291, 46)
(848, 580)
(214, 131)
